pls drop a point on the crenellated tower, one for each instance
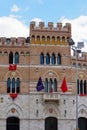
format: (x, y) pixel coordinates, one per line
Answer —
(50, 35)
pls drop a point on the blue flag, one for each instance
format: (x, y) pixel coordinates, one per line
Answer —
(39, 86)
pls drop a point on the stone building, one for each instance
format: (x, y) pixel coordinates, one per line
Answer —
(44, 55)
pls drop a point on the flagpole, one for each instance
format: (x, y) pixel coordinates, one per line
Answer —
(77, 50)
(76, 90)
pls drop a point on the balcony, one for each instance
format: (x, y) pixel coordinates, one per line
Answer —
(51, 96)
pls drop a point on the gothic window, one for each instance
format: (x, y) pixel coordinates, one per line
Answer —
(53, 58)
(82, 87)
(46, 85)
(47, 59)
(48, 39)
(11, 58)
(55, 85)
(85, 87)
(13, 85)
(59, 59)
(41, 58)
(16, 58)
(50, 85)
(18, 85)
(8, 85)
(43, 39)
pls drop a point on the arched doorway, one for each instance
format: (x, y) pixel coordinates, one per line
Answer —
(82, 123)
(12, 123)
(51, 123)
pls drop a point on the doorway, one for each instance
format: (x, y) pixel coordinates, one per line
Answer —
(51, 123)
(12, 123)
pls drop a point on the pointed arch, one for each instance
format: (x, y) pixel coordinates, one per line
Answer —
(53, 59)
(13, 85)
(42, 58)
(55, 85)
(17, 85)
(59, 59)
(46, 85)
(8, 85)
(47, 58)
(51, 123)
(16, 58)
(11, 58)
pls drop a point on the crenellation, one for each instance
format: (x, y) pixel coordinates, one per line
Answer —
(36, 33)
(21, 40)
(3, 40)
(59, 26)
(41, 25)
(14, 41)
(50, 25)
(32, 25)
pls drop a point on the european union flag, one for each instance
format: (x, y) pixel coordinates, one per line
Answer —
(39, 86)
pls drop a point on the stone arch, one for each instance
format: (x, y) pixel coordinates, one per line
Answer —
(51, 110)
(13, 74)
(51, 74)
(82, 75)
(13, 110)
(82, 111)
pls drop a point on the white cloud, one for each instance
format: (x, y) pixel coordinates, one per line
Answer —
(15, 8)
(79, 28)
(11, 27)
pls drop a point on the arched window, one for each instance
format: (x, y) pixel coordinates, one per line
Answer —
(48, 39)
(46, 85)
(59, 59)
(53, 40)
(47, 59)
(8, 85)
(41, 58)
(55, 85)
(18, 85)
(33, 39)
(13, 85)
(81, 87)
(43, 39)
(50, 85)
(16, 58)
(85, 87)
(11, 58)
(38, 39)
(63, 40)
(53, 59)
(58, 40)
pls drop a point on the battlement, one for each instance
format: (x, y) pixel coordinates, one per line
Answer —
(14, 41)
(59, 26)
(51, 34)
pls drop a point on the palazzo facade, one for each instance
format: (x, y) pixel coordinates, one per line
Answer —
(45, 54)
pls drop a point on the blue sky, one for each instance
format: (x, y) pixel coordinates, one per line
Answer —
(15, 16)
(47, 10)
